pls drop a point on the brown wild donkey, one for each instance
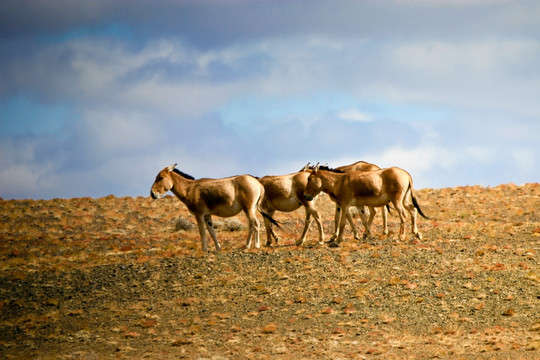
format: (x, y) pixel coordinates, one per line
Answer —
(221, 197)
(372, 188)
(286, 193)
(361, 166)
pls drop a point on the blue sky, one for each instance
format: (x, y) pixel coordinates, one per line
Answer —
(97, 96)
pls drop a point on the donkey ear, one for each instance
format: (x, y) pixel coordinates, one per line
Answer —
(306, 168)
(170, 168)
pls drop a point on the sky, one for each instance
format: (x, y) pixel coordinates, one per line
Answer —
(97, 96)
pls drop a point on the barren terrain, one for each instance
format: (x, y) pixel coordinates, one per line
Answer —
(125, 278)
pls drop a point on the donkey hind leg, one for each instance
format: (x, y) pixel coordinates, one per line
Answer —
(270, 234)
(414, 220)
(253, 229)
(211, 230)
(268, 228)
(402, 216)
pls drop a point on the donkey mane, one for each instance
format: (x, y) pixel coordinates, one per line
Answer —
(327, 168)
(183, 174)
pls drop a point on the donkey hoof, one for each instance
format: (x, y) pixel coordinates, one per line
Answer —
(332, 239)
(365, 235)
(333, 244)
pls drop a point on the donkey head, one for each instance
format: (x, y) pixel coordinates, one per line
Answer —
(163, 183)
(314, 184)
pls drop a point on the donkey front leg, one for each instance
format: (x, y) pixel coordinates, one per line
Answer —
(318, 220)
(337, 217)
(372, 213)
(385, 220)
(353, 226)
(402, 217)
(202, 232)
(307, 222)
(365, 222)
(338, 235)
(212, 231)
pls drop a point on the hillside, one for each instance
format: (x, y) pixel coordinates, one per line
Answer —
(125, 278)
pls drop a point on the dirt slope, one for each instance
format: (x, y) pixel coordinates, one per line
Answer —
(114, 278)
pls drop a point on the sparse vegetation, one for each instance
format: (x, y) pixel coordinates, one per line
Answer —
(113, 277)
(184, 224)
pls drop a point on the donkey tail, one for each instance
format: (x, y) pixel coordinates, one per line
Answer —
(271, 219)
(415, 201)
(265, 215)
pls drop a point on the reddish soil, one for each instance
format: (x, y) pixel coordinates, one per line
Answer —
(114, 278)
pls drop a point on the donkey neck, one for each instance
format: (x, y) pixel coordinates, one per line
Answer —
(329, 180)
(181, 186)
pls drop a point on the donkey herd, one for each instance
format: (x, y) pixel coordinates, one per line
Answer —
(357, 185)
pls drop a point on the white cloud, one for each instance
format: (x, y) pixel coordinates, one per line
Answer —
(476, 73)
(418, 159)
(430, 165)
(109, 131)
(447, 93)
(355, 115)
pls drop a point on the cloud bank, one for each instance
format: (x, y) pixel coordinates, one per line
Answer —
(97, 97)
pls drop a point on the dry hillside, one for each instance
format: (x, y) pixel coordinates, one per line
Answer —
(125, 278)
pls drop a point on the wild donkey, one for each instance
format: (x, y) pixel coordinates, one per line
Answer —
(286, 193)
(221, 197)
(361, 166)
(372, 188)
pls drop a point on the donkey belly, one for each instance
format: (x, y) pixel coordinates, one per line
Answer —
(374, 201)
(286, 205)
(226, 210)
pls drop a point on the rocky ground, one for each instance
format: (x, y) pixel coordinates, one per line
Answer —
(125, 278)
